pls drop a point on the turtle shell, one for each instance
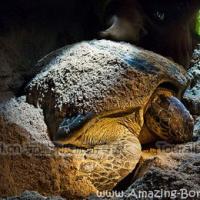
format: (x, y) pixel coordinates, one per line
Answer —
(100, 76)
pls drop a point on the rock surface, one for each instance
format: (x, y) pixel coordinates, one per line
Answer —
(28, 195)
(29, 160)
(192, 94)
(177, 170)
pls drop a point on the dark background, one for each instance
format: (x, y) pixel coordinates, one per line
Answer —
(30, 29)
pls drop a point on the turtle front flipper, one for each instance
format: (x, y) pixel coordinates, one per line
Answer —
(113, 161)
(111, 152)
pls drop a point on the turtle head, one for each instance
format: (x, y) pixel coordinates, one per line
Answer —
(168, 118)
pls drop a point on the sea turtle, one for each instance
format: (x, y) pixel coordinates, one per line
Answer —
(106, 99)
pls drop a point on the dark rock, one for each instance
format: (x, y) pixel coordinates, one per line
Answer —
(192, 94)
(29, 195)
(29, 160)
